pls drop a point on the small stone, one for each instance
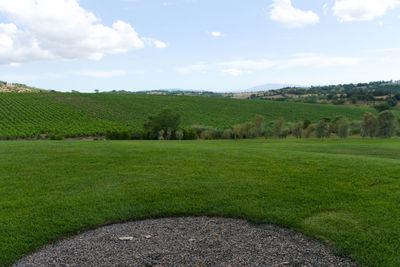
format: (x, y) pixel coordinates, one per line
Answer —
(192, 240)
(126, 238)
(147, 236)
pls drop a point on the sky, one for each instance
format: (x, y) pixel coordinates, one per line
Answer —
(216, 45)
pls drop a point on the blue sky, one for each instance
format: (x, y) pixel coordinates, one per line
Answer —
(219, 45)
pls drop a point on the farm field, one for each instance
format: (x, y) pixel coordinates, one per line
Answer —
(344, 192)
(30, 115)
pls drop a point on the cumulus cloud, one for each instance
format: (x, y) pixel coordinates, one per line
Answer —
(154, 42)
(283, 12)
(358, 10)
(217, 34)
(59, 29)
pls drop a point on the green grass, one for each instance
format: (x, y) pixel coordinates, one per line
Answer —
(345, 192)
(31, 114)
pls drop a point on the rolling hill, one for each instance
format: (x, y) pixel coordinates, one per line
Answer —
(30, 115)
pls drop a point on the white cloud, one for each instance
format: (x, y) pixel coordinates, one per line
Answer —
(217, 34)
(233, 72)
(358, 10)
(249, 64)
(102, 74)
(325, 9)
(301, 60)
(59, 29)
(200, 67)
(283, 12)
(153, 42)
(319, 61)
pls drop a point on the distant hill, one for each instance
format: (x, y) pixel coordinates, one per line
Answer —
(368, 94)
(31, 115)
(17, 87)
(270, 86)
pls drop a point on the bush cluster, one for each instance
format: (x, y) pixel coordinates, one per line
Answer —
(165, 125)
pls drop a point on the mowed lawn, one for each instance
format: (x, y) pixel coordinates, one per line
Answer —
(345, 192)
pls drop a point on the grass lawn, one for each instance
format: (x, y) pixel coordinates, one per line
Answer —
(346, 192)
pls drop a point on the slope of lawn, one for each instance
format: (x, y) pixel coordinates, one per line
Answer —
(345, 192)
(28, 115)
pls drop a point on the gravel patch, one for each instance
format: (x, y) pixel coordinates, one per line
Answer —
(191, 241)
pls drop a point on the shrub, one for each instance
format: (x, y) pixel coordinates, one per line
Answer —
(322, 129)
(118, 135)
(343, 127)
(308, 131)
(369, 125)
(228, 134)
(382, 107)
(297, 129)
(136, 135)
(179, 135)
(259, 125)
(306, 123)
(247, 130)
(166, 120)
(278, 126)
(386, 124)
(237, 133)
(189, 134)
(56, 137)
(284, 133)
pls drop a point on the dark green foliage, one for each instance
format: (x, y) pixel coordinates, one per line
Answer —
(278, 127)
(343, 127)
(322, 129)
(382, 107)
(118, 135)
(162, 125)
(386, 124)
(369, 125)
(259, 125)
(55, 137)
(297, 129)
(391, 101)
(306, 123)
(309, 131)
(189, 134)
(228, 134)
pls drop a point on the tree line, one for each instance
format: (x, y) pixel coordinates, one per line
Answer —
(166, 125)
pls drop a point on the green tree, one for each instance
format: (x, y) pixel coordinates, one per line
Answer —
(259, 125)
(306, 123)
(369, 125)
(391, 101)
(237, 133)
(308, 131)
(166, 121)
(297, 129)
(322, 129)
(343, 128)
(227, 134)
(278, 126)
(386, 124)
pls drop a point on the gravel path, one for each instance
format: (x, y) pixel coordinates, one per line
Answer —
(192, 241)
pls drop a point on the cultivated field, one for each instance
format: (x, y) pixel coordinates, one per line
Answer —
(345, 192)
(30, 115)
